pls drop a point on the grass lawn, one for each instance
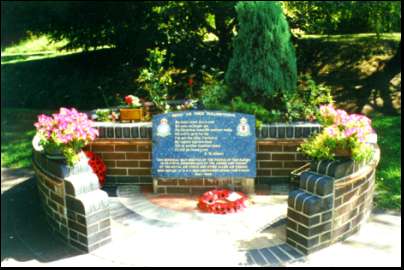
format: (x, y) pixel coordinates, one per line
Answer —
(389, 171)
(17, 132)
(37, 48)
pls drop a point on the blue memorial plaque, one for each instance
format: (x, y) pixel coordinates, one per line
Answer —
(192, 144)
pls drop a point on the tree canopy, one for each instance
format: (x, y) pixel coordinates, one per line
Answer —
(189, 30)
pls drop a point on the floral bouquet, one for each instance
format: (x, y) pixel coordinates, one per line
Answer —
(66, 132)
(343, 135)
(132, 101)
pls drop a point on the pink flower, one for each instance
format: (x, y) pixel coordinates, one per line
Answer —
(340, 117)
(331, 131)
(66, 127)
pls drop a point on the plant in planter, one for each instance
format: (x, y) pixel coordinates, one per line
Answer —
(133, 111)
(155, 80)
(343, 136)
(103, 115)
(64, 134)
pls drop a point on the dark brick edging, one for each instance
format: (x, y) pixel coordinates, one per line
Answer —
(143, 130)
(333, 200)
(75, 207)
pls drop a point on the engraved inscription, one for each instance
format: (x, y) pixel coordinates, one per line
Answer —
(203, 143)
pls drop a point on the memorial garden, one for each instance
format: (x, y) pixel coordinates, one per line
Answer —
(201, 133)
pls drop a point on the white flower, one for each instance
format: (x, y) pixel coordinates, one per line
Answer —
(136, 102)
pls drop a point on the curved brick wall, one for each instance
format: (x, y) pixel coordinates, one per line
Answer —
(126, 150)
(75, 207)
(332, 201)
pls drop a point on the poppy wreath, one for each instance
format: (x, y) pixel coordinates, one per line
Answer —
(98, 166)
(222, 201)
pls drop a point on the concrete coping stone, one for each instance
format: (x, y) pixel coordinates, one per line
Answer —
(81, 183)
(94, 201)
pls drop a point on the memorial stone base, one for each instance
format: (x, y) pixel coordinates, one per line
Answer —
(199, 186)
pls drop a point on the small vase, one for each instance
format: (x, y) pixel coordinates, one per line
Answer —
(132, 114)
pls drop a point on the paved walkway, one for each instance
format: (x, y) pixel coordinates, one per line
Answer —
(153, 241)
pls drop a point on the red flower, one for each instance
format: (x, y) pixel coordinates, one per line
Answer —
(97, 165)
(190, 82)
(128, 100)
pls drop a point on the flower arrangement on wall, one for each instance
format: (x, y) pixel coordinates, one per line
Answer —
(65, 133)
(344, 135)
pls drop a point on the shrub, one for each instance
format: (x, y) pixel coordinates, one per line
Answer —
(263, 66)
(305, 102)
(155, 80)
(214, 92)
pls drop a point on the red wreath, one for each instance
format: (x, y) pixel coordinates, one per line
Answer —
(98, 166)
(221, 201)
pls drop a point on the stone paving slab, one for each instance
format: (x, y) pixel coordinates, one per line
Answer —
(239, 225)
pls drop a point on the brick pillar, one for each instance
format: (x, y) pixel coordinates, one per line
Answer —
(74, 205)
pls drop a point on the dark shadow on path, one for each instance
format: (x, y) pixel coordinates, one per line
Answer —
(25, 235)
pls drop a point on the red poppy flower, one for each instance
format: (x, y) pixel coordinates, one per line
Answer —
(98, 166)
(222, 201)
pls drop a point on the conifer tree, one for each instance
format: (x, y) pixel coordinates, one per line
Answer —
(263, 65)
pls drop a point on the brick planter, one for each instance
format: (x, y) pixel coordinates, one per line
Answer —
(75, 207)
(334, 199)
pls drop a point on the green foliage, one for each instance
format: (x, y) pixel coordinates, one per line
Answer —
(155, 80)
(319, 147)
(103, 115)
(263, 66)
(214, 92)
(181, 27)
(323, 147)
(261, 113)
(305, 102)
(301, 105)
(344, 17)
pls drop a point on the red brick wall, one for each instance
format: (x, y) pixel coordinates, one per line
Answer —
(129, 160)
(277, 158)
